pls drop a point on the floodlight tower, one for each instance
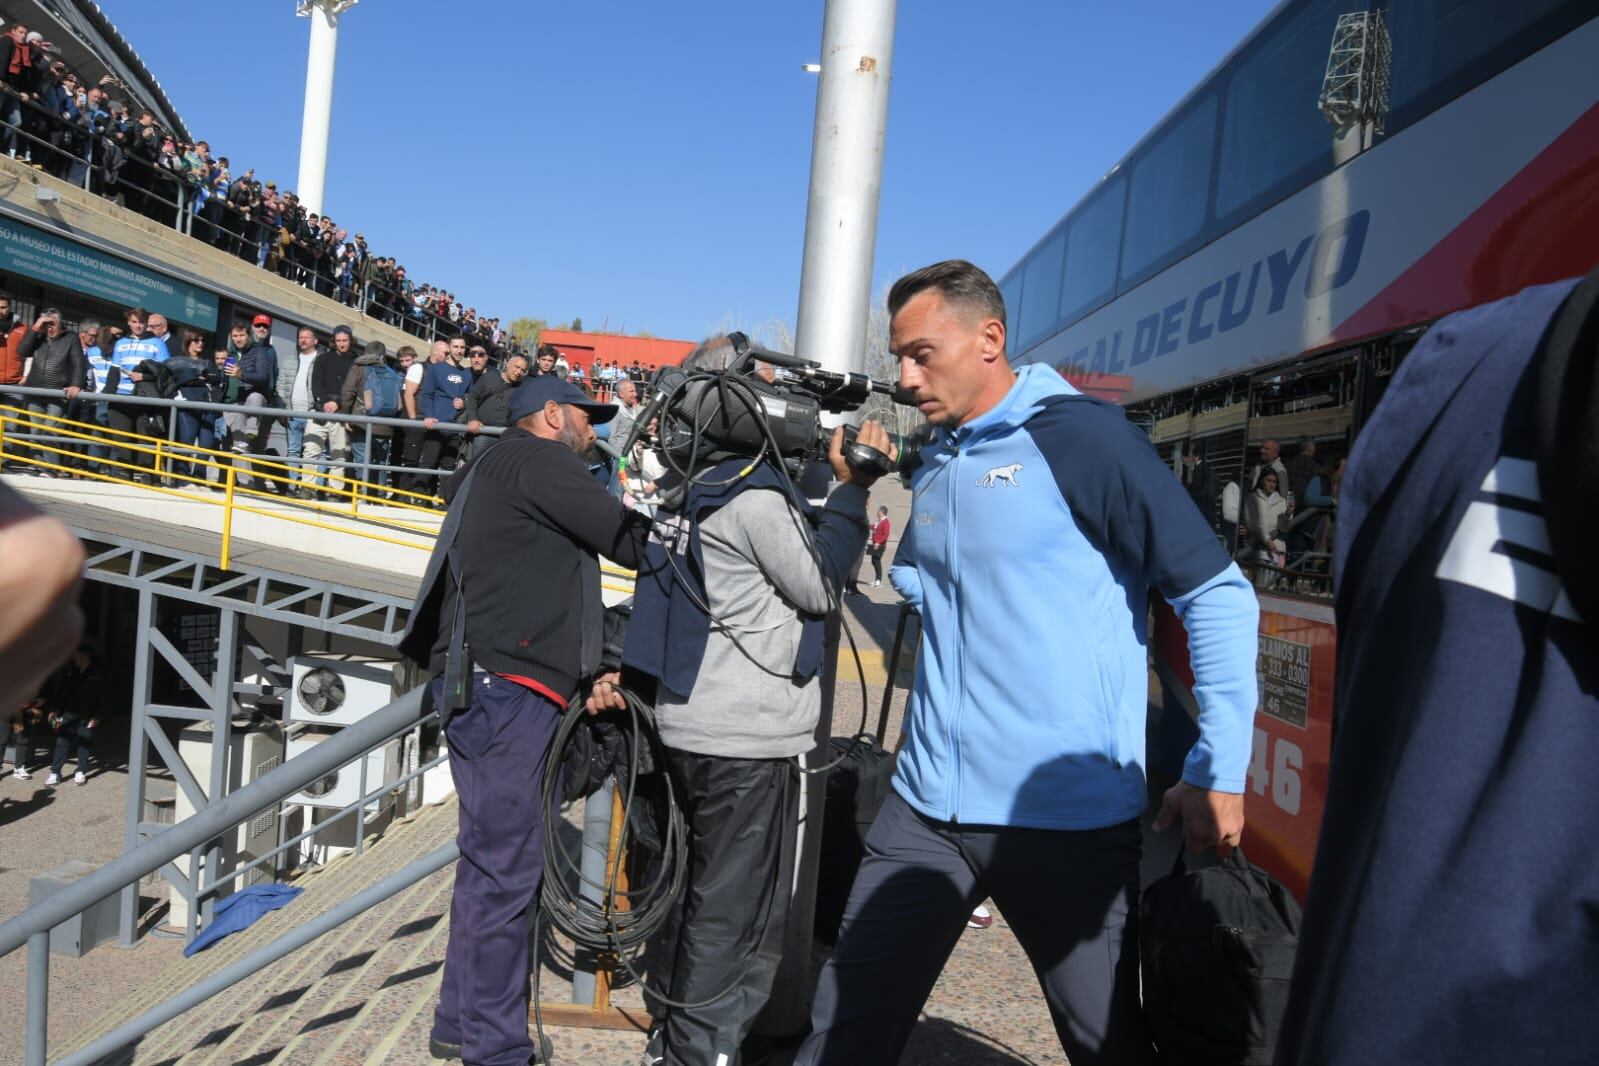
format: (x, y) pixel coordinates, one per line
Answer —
(314, 127)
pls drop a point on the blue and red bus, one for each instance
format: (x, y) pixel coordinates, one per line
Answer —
(1259, 263)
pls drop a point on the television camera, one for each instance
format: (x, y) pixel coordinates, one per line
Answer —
(706, 416)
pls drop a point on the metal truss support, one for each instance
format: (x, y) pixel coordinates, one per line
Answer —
(148, 729)
(299, 601)
(160, 574)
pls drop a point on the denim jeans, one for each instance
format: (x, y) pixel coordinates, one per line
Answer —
(74, 738)
(295, 429)
(199, 428)
(380, 455)
(56, 452)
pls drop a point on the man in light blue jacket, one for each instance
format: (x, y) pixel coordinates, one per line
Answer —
(1040, 520)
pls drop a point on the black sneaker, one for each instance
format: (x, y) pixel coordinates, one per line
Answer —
(439, 1049)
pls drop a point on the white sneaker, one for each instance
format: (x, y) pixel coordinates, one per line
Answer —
(53, 780)
(79, 779)
(980, 918)
(20, 774)
(877, 584)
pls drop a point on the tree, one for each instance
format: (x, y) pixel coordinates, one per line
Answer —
(882, 366)
(576, 326)
(527, 330)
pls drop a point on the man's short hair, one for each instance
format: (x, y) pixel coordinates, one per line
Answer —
(139, 314)
(89, 325)
(959, 282)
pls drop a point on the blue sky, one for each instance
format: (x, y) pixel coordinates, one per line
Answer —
(644, 165)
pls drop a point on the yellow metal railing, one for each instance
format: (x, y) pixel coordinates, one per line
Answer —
(179, 470)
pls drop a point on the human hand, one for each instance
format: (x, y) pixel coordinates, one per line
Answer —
(330, 407)
(872, 435)
(429, 423)
(458, 403)
(134, 375)
(1210, 819)
(474, 426)
(72, 392)
(41, 568)
(231, 371)
(606, 694)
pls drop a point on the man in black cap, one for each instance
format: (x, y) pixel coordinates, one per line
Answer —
(510, 648)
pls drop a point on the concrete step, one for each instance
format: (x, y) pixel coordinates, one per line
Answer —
(312, 990)
(251, 1011)
(385, 996)
(169, 1041)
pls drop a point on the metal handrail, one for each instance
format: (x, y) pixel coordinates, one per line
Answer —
(178, 403)
(217, 818)
(355, 807)
(259, 959)
(228, 464)
(193, 834)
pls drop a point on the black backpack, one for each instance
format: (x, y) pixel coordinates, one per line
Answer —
(1218, 949)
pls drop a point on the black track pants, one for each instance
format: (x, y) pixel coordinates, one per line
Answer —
(740, 815)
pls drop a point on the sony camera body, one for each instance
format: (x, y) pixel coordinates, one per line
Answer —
(706, 416)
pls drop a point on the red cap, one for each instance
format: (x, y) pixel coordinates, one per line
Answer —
(261, 320)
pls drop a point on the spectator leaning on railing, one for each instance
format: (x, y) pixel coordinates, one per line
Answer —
(329, 438)
(55, 361)
(443, 396)
(372, 387)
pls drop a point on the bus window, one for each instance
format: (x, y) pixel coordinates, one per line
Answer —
(1169, 192)
(1011, 290)
(1273, 139)
(1041, 290)
(1442, 48)
(1092, 242)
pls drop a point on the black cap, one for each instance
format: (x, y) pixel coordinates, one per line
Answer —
(533, 393)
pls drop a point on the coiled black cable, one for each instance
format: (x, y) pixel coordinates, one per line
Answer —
(601, 925)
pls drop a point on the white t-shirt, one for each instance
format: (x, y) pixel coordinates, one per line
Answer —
(300, 395)
(413, 375)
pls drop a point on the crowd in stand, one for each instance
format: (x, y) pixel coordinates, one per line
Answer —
(460, 382)
(87, 135)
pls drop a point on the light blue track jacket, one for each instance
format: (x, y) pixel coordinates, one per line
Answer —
(1036, 531)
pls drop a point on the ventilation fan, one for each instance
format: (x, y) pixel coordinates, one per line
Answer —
(338, 690)
(321, 691)
(342, 787)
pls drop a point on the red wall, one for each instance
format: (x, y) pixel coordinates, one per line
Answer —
(583, 349)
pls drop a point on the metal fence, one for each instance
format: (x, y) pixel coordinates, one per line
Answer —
(195, 834)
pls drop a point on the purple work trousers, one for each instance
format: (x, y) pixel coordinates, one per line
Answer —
(497, 750)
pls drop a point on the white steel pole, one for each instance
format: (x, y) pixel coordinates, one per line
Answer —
(835, 297)
(315, 126)
(846, 176)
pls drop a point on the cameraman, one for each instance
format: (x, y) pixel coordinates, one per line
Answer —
(737, 698)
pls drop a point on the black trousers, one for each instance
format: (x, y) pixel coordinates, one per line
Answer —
(439, 451)
(1069, 896)
(727, 934)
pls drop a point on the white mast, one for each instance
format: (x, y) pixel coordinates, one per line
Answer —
(314, 128)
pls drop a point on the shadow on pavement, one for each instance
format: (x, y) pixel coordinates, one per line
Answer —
(936, 1040)
(873, 622)
(13, 809)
